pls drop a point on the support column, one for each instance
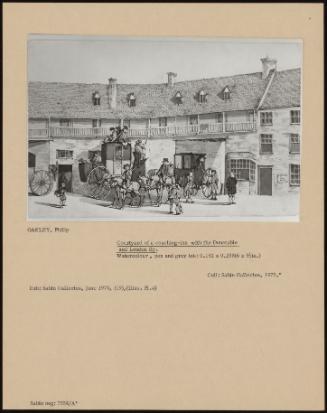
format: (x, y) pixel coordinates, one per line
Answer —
(224, 126)
(149, 128)
(222, 169)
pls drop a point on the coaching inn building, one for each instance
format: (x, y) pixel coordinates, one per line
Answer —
(249, 124)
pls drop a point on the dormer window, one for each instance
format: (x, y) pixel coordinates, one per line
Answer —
(202, 96)
(131, 100)
(226, 93)
(96, 98)
(178, 98)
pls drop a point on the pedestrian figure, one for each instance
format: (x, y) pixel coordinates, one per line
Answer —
(163, 171)
(171, 172)
(174, 199)
(139, 153)
(61, 194)
(127, 175)
(214, 184)
(189, 187)
(119, 190)
(231, 183)
(199, 172)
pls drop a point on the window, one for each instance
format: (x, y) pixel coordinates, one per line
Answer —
(96, 123)
(67, 123)
(295, 117)
(202, 97)
(132, 100)
(244, 169)
(294, 143)
(162, 122)
(96, 98)
(31, 160)
(178, 98)
(64, 154)
(226, 93)
(266, 144)
(220, 117)
(294, 175)
(193, 119)
(266, 118)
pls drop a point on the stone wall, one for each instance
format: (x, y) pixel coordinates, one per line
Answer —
(157, 149)
(41, 150)
(280, 159)
(80, 148)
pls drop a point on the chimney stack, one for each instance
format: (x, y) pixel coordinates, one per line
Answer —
(171, 76)
(112, 92)
(268, 64)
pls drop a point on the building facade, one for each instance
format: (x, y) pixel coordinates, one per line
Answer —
(248, 124)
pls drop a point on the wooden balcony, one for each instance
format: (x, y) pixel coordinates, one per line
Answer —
(169, 131)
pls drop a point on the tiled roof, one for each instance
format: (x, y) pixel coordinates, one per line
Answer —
(74, 100)
(284, 91)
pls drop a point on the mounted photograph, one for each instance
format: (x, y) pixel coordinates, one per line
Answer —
(152, 129)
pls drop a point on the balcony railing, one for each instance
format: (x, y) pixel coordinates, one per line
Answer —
(193, 130)
(38, 133)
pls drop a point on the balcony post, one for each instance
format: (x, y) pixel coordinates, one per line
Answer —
(149, 128)
(224, 126)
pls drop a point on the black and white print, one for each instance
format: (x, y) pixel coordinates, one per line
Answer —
(163, 128)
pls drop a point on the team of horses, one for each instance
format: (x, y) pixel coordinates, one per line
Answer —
(151, 189)
(101, 185)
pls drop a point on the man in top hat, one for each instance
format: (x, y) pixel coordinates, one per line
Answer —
(189, 187)
(163, 171)
(199, 172)
(139, 153)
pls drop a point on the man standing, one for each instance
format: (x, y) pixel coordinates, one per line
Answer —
(214, 184)
(199, 172)
(139, 153)
(189, 187)
(163, 171)
(127, 175)
(231, 183)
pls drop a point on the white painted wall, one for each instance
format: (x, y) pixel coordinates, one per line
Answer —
(157, 149)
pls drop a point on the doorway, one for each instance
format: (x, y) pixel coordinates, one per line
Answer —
(265, 180)
(65, 174)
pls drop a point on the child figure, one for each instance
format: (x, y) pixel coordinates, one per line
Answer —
(61, 194)
(189, 188)
(174, 199)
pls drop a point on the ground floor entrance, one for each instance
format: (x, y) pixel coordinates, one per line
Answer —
(265, 180)
(197, 155)
(185, 163)
(65, 174)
